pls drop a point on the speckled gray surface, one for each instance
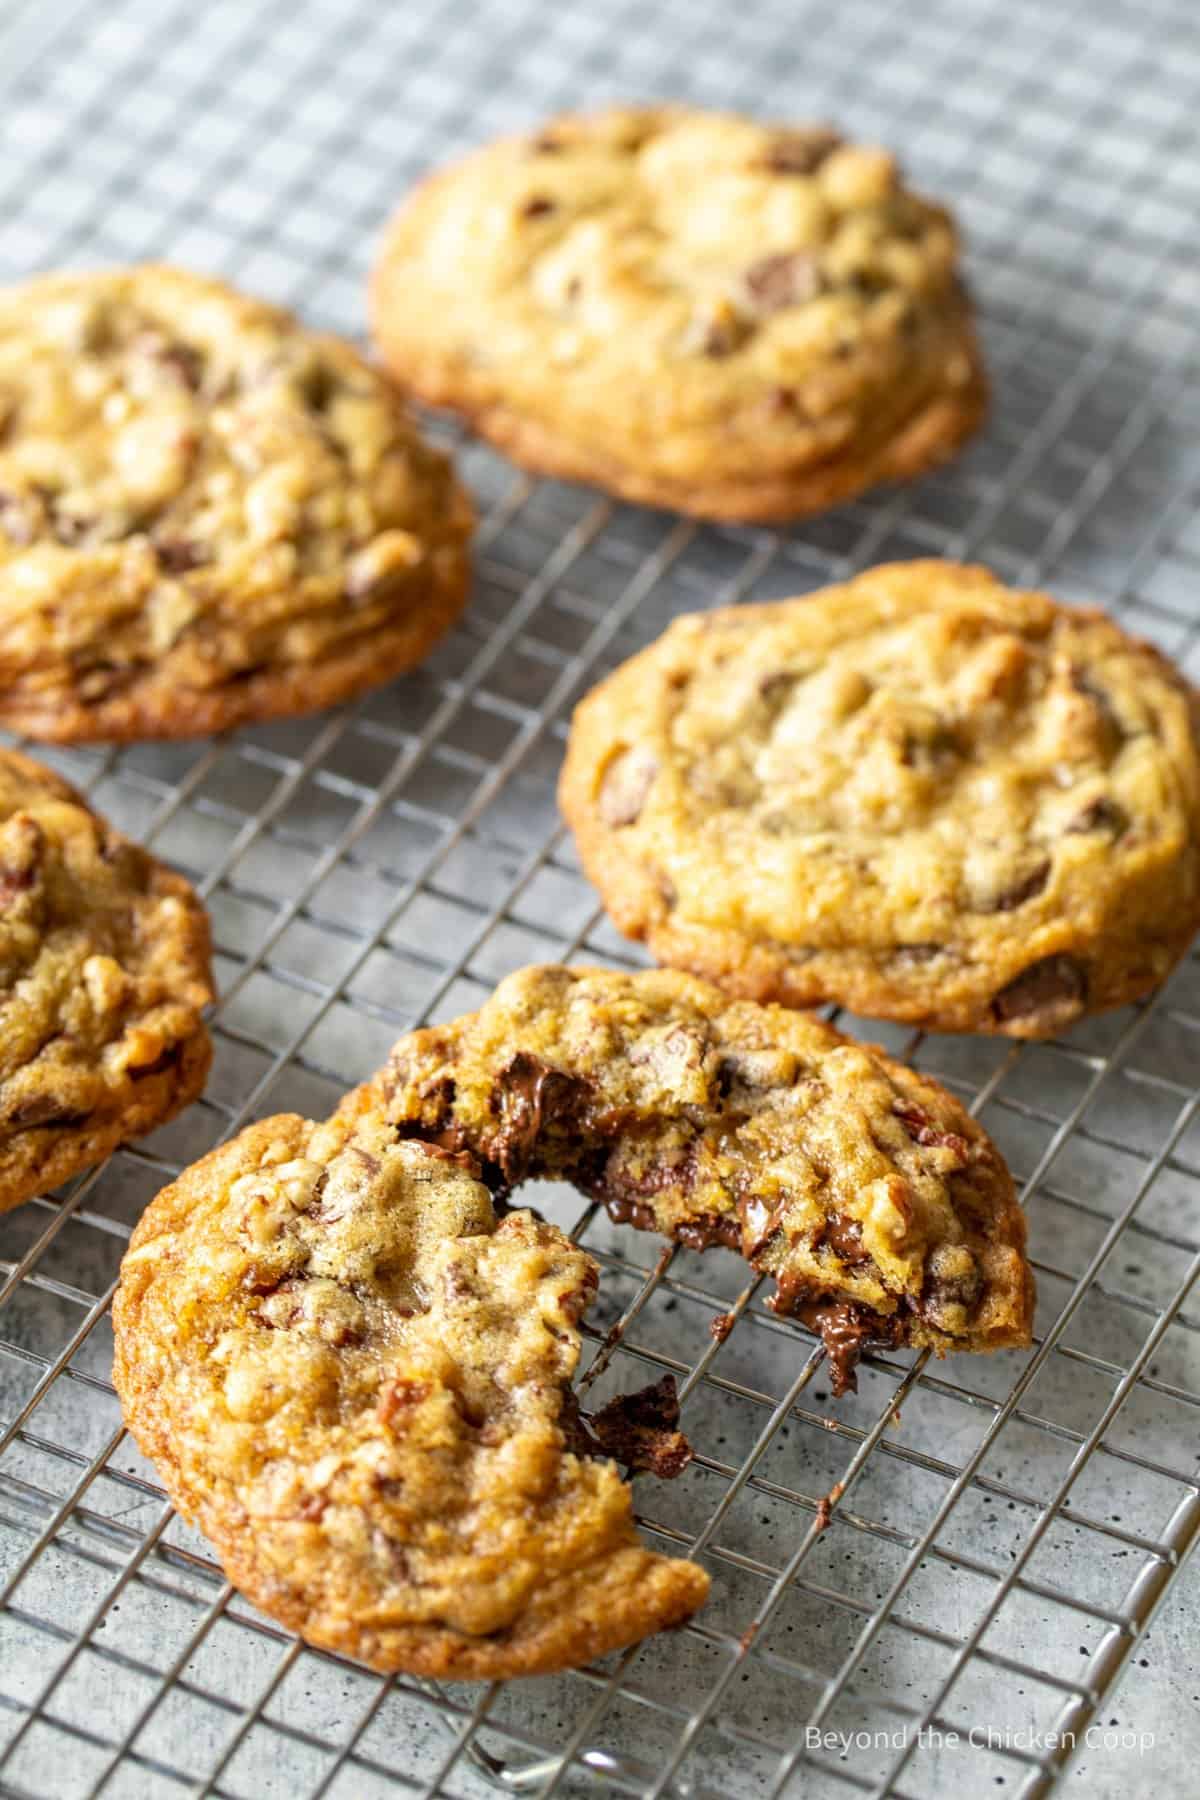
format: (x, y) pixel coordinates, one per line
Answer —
(370, 867)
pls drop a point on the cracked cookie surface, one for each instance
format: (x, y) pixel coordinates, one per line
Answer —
(883, 1212)
(921, 794)
(208, 514)
(691, 309)
(104, 966)
(356, 1382)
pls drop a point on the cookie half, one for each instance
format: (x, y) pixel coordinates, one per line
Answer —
(208, 514)
(104, 967)
(690, 309)
(356, 1382)
(922, 794)
(883, 1212)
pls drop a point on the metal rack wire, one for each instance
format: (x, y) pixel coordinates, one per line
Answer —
(964, 1547)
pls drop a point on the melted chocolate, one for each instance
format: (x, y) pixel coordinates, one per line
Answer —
(846, 1328)
(530, 1095)
(844, 1237)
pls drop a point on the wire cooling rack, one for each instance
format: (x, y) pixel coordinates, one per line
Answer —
(971, 1547)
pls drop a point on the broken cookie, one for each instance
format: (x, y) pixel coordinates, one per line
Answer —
(355, 1381)
(883, 1213)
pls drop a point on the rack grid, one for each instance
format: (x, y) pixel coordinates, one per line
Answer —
(972, 1546)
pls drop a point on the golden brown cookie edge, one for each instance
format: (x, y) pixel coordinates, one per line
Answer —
(154, 710)
(753, 971)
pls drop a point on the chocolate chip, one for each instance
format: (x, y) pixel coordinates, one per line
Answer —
(529, 1096)
(41, 1110)
(1101, 815)
(782, 401)
(627, 781)
(929, 747)
(1086, 684)
(182, 361)
(1048, 994)
(844, 1237)
(786, 278)
(177, 555)
(537, 206)
(168, 1060)
(622, 1209)
(801, 152)
(1028, 887)
(708, 1229)
(721, 337)
(866, 283)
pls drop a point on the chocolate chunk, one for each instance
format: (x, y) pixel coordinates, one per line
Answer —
(41, 1110)
(1101, 815)
(627, 781)
(1050, 993)
(775, 687)
(707, 1229)
(721, 336)
(537, 206)
(866, 283)
(167, 1060)
(622, 1209)
(182, 361)
(786, 278)
(1086, 684)
(530, 1096)
(926, 749)
(844, 1237)
(1027, 888)
(641, 1431)
(177, 555)
(802, 152)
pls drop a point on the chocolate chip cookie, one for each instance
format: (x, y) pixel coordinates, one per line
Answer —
(882, 1211)
(692, 310)
(104, 966)
(208, 514)
(356, 1382)
(921, 794)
